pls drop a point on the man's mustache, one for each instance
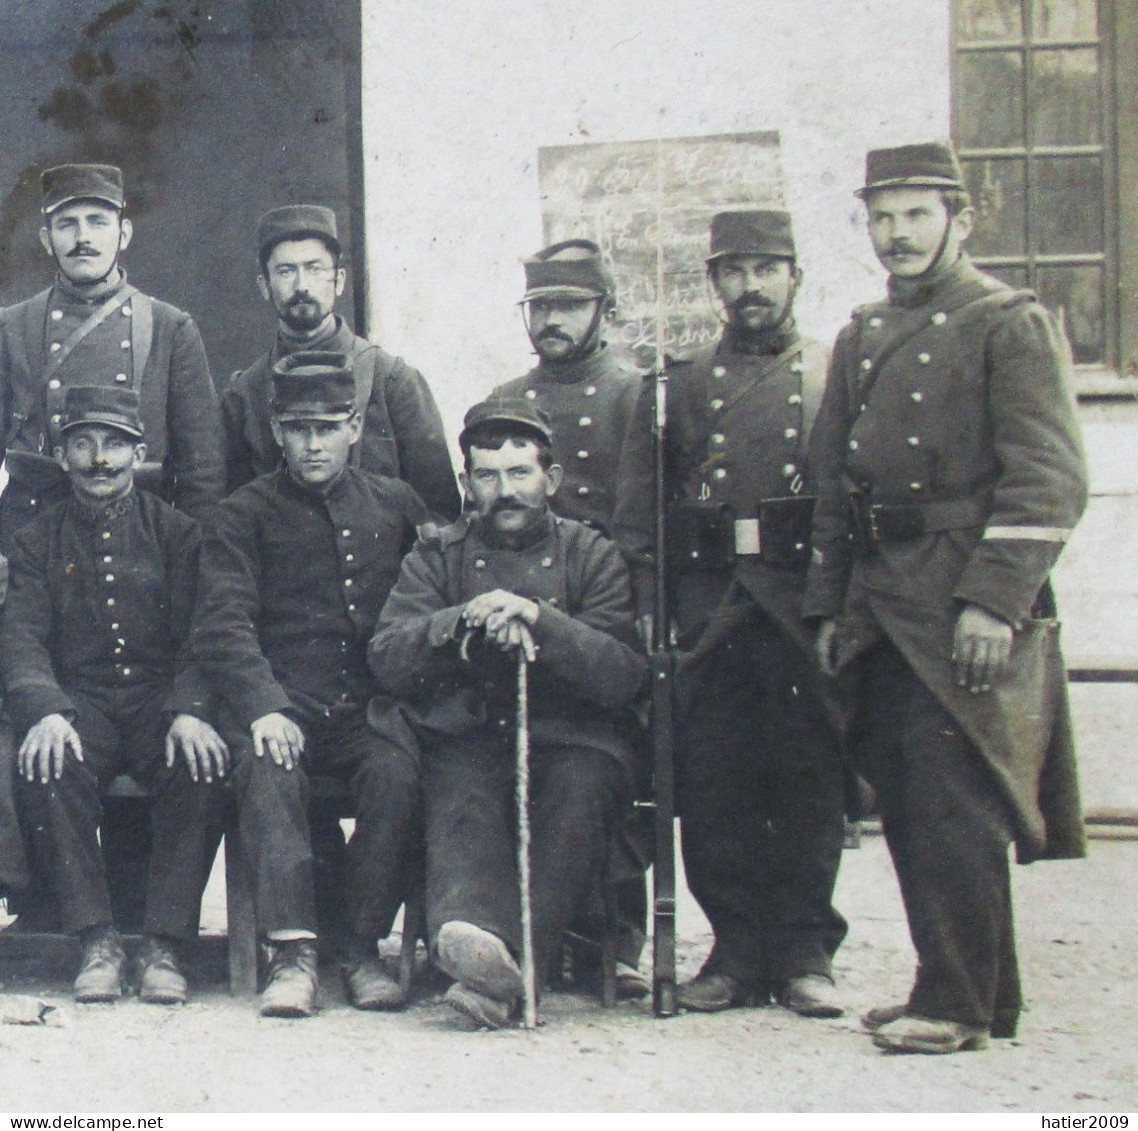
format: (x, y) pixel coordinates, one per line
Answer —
(902, 247)
(82, 251)
(302, 298)
(502, 505)
(553, 332)
(751, 299)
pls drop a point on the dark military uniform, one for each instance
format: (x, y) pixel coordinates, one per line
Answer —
(293, 582)
(950, 473)
(759, 770)
(95, 628)
(403, 433)
(587, 673)
(52, 341)
(591, 404)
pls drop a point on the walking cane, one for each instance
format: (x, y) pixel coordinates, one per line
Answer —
(529, 987)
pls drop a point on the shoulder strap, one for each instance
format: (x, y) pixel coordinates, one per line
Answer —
(813, 385)
(141, 335)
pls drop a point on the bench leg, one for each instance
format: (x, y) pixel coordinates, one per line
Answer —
(241, 916)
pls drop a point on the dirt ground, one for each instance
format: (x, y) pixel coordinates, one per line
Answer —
(1077, 926)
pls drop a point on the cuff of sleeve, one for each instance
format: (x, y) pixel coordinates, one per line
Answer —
(32, 702)
(444, 626)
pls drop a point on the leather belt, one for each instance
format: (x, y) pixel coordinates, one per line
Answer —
(900, 522)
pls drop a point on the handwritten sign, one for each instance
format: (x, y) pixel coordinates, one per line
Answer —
(648, 205)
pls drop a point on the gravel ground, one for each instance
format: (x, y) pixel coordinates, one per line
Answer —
(1077, 926)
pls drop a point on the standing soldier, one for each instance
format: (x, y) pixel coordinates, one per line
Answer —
(92, 327)
(760, 783)
(301, 277)
(589, 390)
(294, 573)
(950, 475)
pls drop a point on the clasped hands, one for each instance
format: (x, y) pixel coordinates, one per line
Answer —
(506, 619)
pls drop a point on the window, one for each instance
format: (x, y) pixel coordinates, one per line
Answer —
(1033, 122)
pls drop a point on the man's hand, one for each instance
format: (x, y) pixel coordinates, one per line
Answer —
(201, 746)
(506, 618)
(825, 651)
(42, 752)
(981, 648)
(281, 737)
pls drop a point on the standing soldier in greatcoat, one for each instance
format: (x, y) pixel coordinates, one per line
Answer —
(588, 388)
(760, 782)
(950, 475)
(301, 277)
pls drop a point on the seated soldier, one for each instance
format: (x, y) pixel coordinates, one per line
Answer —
(295, 571)
(92, 653)
(513, 575)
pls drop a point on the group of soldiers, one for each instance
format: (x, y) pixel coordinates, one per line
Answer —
(858, 550)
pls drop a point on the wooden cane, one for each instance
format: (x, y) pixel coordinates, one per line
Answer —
(529, 981)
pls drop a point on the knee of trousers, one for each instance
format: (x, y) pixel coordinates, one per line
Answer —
(387, 777)
(260, 782)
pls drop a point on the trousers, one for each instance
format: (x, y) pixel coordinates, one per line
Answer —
(123, 730)
(761, 796)
(948, 832)
(385, 852)
(577, 799)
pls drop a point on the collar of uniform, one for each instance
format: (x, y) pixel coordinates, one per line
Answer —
(100, 516)
(494, 539)
(911, 293)
(576, 372)
(769, 344)
(338, 339)
(299, 490)
(90, 296)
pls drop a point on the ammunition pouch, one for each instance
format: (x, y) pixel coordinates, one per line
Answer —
(701, 536)
(784, 531)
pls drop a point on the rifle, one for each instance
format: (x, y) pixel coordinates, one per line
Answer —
(663, 672)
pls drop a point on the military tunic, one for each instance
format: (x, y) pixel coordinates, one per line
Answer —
(293, 582)
(949, 421)
(587, 674)
(140, 343)
(590, 404)
(402, 437)
(759, 768)
(96, 628)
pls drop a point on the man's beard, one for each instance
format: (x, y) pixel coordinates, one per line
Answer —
(303, 315)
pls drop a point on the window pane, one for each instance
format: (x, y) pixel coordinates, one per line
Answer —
(1065, 98)
(997, 189)
(1013, 276)
(1065, 19)
(1068, 205)
(989, 99)
(986, 20)
(1075, 295)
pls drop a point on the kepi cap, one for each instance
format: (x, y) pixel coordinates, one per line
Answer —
(314, 385)
(297, 222)
(514, 411)
(925, 165)
(572, 269)
(66, 183)
(752, 232)
(101, 404)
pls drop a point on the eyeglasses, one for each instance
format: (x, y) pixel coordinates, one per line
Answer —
(290, 272)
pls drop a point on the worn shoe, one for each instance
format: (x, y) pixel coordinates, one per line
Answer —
(631, 985)
(163, 982)
(291, 987)
(1004, 1025)
(369, 985)
(711, 991)
(811, 995)
(486, 1012)
(479, 959)
(100, 976)
(911, 1034)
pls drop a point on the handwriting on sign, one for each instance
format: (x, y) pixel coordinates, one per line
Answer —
(647, 205)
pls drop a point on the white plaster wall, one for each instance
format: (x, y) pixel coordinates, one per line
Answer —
(459, 95)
